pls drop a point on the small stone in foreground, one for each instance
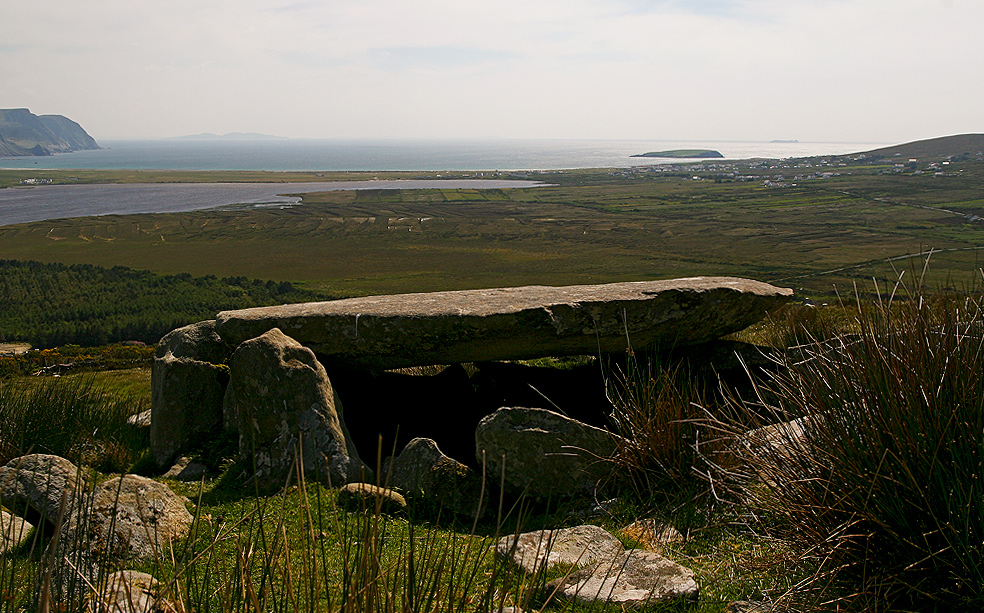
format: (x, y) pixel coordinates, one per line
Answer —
(635, 579)
(13, 532)
(367, 497)
(577, 546)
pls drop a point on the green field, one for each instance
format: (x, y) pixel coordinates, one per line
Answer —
(590, 226)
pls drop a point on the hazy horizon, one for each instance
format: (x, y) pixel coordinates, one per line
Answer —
(879, 71)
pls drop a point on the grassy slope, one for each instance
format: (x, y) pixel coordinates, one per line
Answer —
(591, 228)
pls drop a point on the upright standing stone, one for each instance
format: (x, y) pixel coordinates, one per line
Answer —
(187, 386)
(283, 401)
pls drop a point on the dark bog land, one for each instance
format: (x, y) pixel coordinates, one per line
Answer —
(808, 224)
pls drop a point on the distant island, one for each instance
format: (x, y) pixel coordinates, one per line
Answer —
(681, 153)
(229, 136)
(780, 140)
(22, 133)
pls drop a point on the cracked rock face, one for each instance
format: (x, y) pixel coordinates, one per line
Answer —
(395, 331)
(283, 401)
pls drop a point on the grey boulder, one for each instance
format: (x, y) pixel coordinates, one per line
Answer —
(542, 452)
(425, 473)
(133, 519)
(45, 484)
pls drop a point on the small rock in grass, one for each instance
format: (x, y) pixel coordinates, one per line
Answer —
(368, 497)
(635, 579)
(578, 546)
(130, 591)
(13, 531)
(185, 469)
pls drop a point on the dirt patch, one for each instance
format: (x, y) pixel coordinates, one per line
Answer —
(13, 348)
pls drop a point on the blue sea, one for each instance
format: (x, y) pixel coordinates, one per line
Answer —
(457, 155)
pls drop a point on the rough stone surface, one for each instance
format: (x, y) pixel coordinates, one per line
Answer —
(130, 591)
(544, 453)
(184, 469)
(40, 483)
(652, 535)
(283, 400)
(367, 497)
(635, 579)
(512, 323)
(187, 387)
(578, 546)
(13, 532)
(133, 518)
(424, 472)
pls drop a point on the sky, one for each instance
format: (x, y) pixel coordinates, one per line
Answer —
(814, 70)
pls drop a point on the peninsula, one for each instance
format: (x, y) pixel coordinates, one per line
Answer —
(23, 133)
(681, 153)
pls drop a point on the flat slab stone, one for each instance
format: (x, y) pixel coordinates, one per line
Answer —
(511, 323)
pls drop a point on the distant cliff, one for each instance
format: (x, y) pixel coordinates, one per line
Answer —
(24, 133)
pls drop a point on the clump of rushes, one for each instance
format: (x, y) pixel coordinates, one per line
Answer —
(881, 482)
(656, 415)
(71, 417)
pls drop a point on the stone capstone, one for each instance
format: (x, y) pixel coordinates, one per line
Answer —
(133, 518)
(284, 402)
(188, 384)
(40, 483)
(577, 546)
(451, 327)
(542, 452)
(635, 579)
(425, 473)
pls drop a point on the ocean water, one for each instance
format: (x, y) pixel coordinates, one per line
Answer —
(458, 155)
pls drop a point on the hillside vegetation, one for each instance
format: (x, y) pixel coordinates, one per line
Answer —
(54, 304)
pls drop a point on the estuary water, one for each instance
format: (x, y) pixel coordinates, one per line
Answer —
(327, 155)
(40, 202)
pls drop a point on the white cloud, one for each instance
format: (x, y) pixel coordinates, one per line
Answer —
(885, 70)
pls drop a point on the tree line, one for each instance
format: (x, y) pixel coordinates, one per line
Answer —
(48, 305)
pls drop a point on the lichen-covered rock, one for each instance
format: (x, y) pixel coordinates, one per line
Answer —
(284, 402)
(188, 384)
(133, 518)
(453, 327)
(635, 579)
(45, 484)
(425, 473)
(369, 497)
(13, 531)
(544, 453)
(130, 591)
(577, 546)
